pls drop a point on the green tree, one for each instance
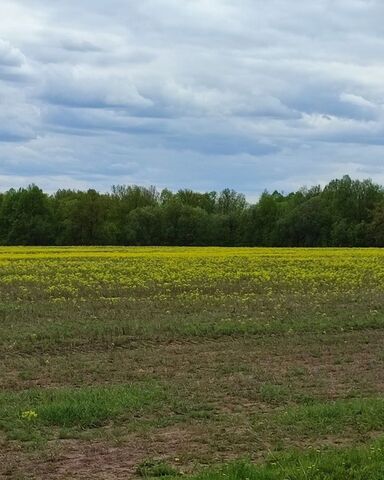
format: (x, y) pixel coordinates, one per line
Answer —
(26, 217)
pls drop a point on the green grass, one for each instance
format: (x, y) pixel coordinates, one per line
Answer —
(274, 394)
(46, 326)
(344, 464)
(101, 333)
(156, 468)
(362, 415)
(79, 408)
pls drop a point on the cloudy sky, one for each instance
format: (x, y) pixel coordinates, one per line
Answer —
(203, 94)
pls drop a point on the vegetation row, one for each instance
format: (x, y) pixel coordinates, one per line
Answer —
(346, 213)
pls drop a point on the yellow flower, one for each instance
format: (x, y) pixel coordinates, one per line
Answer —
(29, 415)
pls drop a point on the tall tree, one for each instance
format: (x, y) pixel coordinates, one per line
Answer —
(26, 217)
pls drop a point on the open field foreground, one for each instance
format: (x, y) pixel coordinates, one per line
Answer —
(214, 363)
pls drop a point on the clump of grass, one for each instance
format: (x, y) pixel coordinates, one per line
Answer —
(334, 464)
(156, 468)
(79, 408)
(273, 394)
(362, 415)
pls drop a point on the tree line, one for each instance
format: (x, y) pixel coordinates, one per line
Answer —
(344, 213)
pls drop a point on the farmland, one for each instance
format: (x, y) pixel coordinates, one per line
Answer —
(125, 362)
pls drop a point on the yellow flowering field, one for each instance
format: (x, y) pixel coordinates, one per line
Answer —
(85, 272)
(139, 291)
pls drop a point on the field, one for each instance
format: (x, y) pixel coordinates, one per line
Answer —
(209, 362)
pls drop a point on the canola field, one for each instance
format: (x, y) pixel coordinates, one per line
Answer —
(145, 362)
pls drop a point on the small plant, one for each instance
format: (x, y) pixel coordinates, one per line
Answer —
(29, 415)
(156, 468)
(273, 394)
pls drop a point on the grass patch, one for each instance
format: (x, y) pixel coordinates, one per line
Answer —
(352, 464)
(274, 394)
(363, 415)
(27, 413)
(156, 468)
(96, 324)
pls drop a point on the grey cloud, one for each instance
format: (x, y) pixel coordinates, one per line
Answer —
(80, 45)
(220, 144)
(13, 63)
(19, 119)
(79, 87)
(14, 136)
(88, 121)
(10, 56)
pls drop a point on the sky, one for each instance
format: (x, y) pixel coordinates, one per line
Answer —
(201, 94)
